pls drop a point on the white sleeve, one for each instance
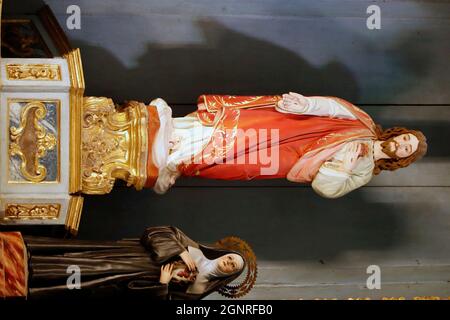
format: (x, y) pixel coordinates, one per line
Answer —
(160, 150)
(322, 106)
(331, 182)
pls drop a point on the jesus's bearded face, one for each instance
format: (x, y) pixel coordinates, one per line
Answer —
(400, 146)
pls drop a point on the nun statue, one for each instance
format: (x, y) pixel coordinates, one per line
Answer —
(163, 264)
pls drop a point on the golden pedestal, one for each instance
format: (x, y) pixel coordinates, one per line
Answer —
(114, 145)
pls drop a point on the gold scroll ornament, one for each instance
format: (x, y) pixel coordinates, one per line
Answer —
(114, 145)
(18, 211)
(30, 141)
(33, 72)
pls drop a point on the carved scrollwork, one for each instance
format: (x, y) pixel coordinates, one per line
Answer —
(112, 143)
(32, 211)
(33, 72)
(30, 141)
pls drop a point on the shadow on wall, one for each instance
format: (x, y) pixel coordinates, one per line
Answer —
(281, 223)
(228, 62)
(232, 63)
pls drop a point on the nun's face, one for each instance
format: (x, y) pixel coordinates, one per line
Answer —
(229, 263)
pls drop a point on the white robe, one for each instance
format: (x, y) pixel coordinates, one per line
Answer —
(332, 181)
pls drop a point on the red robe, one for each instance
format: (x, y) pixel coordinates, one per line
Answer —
(242, 132)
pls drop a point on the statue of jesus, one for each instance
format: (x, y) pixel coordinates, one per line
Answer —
(323, 141)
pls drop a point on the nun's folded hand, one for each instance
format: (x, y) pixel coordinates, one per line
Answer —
(166, 273)
(187, 259)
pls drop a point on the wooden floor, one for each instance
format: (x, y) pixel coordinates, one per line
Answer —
(297, 280)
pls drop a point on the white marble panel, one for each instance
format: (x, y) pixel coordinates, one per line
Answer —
(50, 123)
(9, 100)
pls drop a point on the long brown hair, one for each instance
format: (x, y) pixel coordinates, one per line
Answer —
(394, 164)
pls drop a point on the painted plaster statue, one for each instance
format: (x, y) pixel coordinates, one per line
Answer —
(163, 264)
(323, 141)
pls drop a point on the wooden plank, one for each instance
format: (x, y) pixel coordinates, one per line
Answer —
(304, 274)
(300, 280)
(264, 8)
(348, 292)
(396, 224)
(180, 49)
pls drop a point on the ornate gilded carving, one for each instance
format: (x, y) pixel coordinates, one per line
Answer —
(76, 108)
(33, 72)
(74, 214)
(21, 211)
(112, 145)
(30, 141)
